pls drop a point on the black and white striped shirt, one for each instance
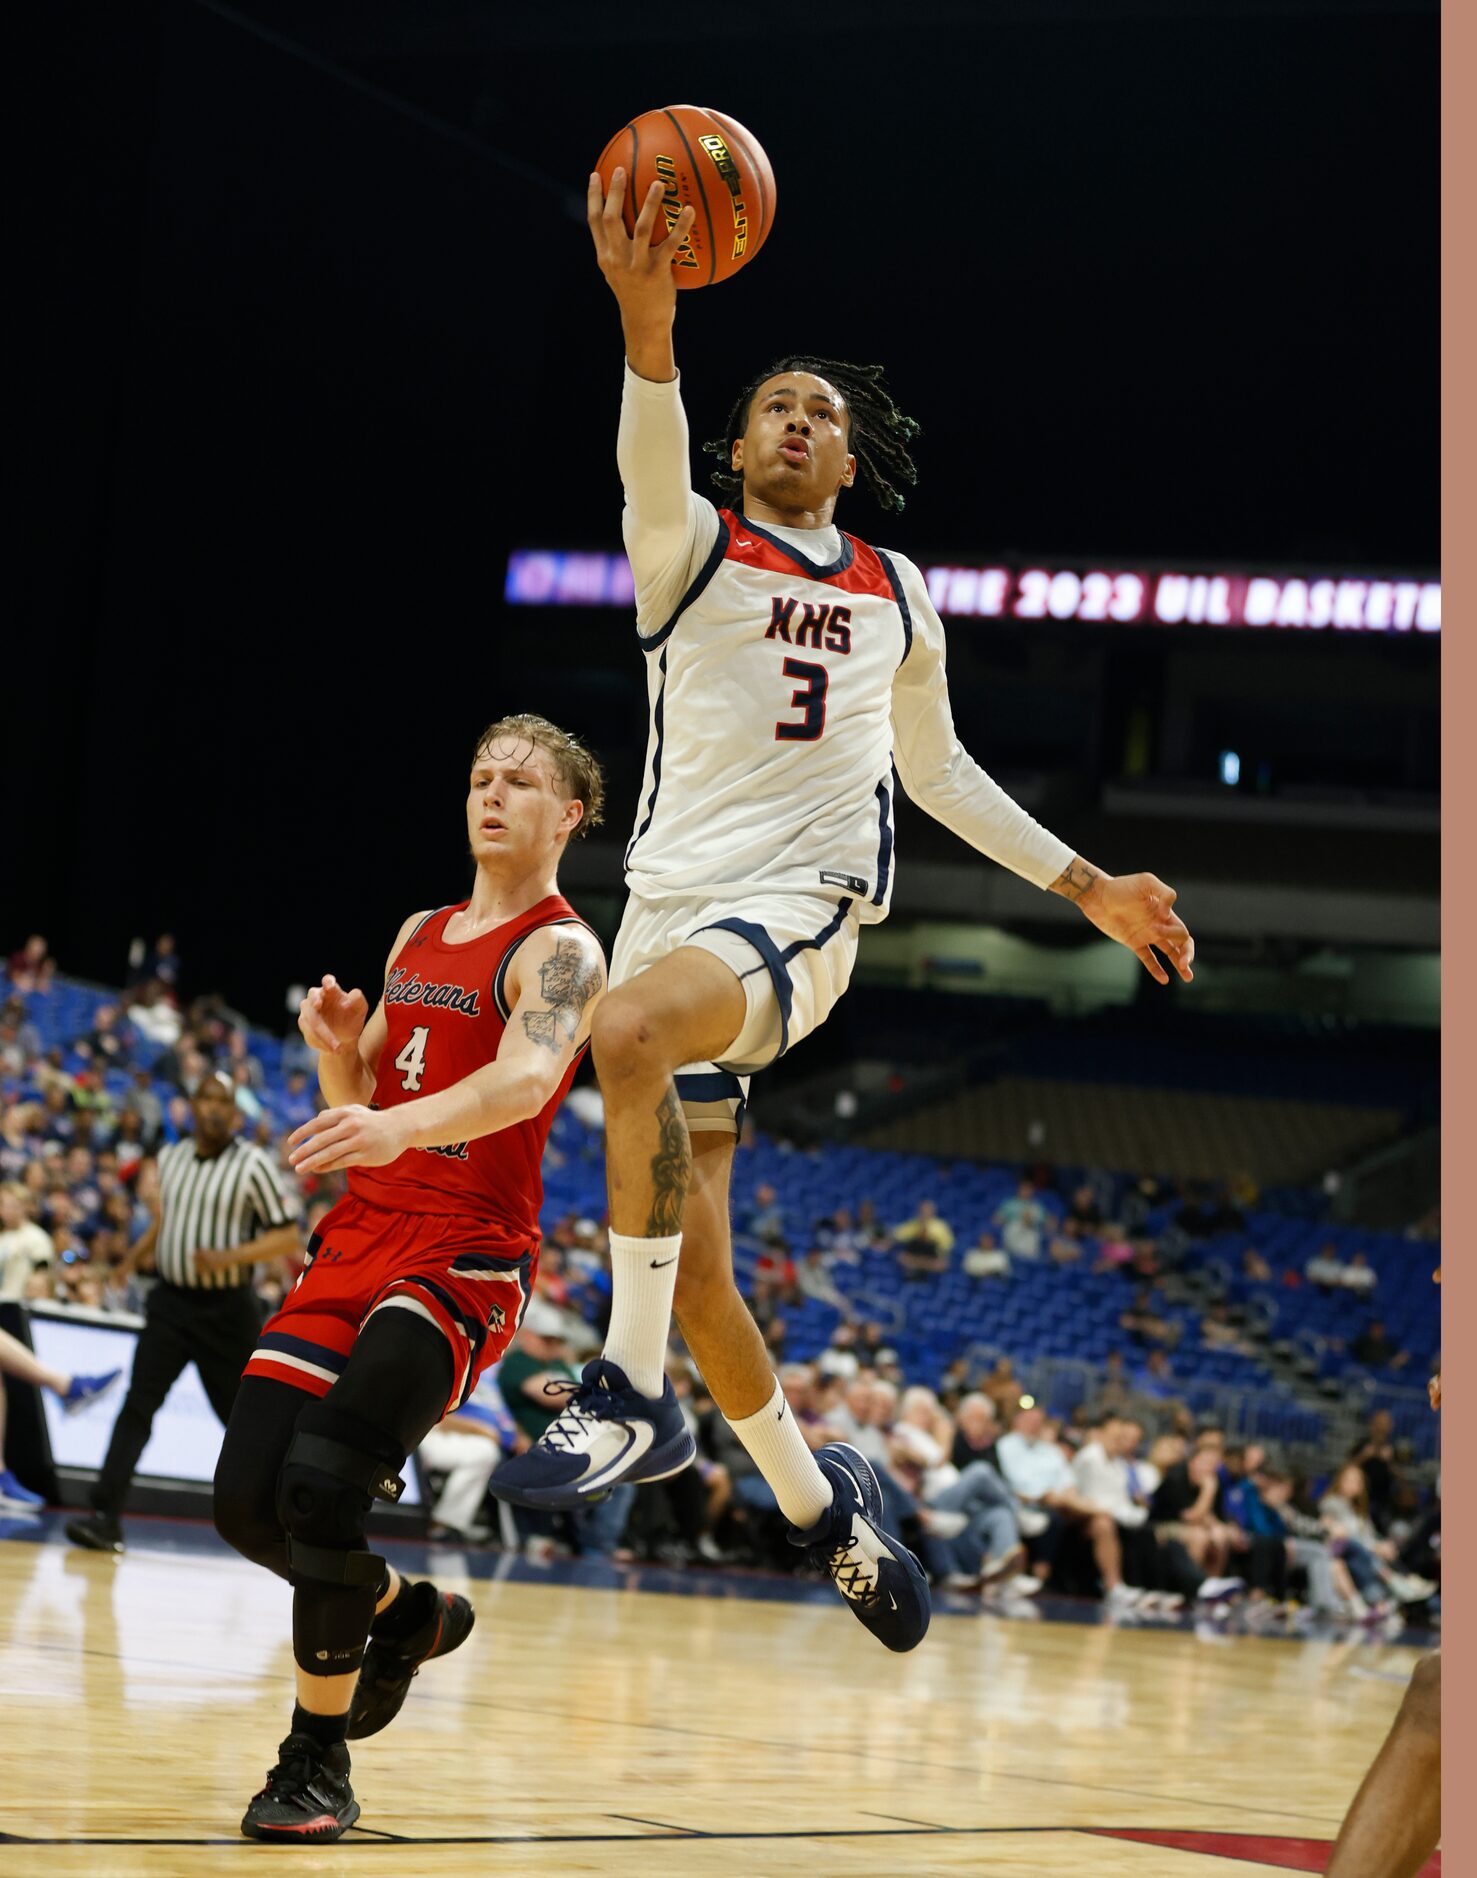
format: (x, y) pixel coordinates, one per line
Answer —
(222, 1202)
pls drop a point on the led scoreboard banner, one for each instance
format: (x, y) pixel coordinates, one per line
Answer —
(1107, 596)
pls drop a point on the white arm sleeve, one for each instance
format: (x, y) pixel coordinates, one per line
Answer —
(669, 530)
(939, 773)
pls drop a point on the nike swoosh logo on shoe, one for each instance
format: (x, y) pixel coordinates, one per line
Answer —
(639, 1437)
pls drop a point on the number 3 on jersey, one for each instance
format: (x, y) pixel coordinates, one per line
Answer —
(810, 698)
(412, 1059)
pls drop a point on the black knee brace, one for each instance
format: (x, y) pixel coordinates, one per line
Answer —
(336, 1466)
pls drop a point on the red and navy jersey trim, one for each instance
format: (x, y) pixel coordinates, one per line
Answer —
(856, 569)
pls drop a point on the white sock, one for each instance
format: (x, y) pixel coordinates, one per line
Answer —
(778, 1450)
(643, 1277)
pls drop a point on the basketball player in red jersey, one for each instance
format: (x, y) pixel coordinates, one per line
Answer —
(440, 1107)
(793, 673)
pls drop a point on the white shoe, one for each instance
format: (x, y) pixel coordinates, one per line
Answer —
(1032, 1522)
(1218, 1590)
(1024, 1585)
(1124, 1598)
(939, 1523)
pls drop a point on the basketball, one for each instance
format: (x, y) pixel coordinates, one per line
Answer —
(702, 157)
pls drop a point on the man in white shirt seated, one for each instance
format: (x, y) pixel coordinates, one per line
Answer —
(1325, 1269)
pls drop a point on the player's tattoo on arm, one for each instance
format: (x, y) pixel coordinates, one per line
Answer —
(567, 982)
(1075, 879)
(670, 1167)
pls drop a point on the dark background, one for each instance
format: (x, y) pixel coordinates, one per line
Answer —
(318, 338)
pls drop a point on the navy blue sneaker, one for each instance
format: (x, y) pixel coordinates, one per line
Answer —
(876, 1574)
(84, 1389)
(606, 1433)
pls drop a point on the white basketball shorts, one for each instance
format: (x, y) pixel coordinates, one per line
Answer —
(793, 953)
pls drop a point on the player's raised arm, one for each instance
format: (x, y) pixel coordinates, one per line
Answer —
(668, 529)
(638, 274)
(940, 775)
(557, 979)
(333, 1022)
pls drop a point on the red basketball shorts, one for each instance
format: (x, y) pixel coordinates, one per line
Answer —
(456, 1273)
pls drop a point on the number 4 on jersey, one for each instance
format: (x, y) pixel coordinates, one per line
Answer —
(412, 1059)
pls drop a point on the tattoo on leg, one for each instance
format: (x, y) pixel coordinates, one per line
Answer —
(670, 1167)
(1074, 880)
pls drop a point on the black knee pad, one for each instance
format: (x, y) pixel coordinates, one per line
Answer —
(336, 1466)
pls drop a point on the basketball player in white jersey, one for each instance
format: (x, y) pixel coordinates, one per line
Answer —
(791, 669)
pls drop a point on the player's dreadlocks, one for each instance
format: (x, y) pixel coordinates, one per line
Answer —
(878, 432)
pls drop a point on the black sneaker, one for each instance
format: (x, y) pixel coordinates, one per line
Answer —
(385, 1677)
(876, 1574)
(307, 1796)
(99, 1532)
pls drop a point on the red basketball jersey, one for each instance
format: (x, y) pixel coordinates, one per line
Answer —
(446, 1008)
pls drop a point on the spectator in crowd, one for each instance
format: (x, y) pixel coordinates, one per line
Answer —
(837, 1236)
(766, 1218)
(1115, 1253)
(1188, 1505)
(465, 1448)
(1325, 1269)
(1360, 1276)
(1083, 1215)
(1102, 1481)
(1331, 1591)
(1255, 1267)
(1156, 1378)
(154, 964)
(871, 1234)
(1143, 1324)
(813, 1280)
(1003, 1387)
(1021, 1222)
(987, 1259)
(109, 1040)
(297, 1103)
(142, 1101)
(1375, 1454)
(976, 1430)
(1037, 1471)
(925, 1241)
(25, 1247)
(32, 968)
(1374, 1349)
(1370, 1558)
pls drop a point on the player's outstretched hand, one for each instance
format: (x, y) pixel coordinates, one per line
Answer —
(639, 274)
(1138, 911)
(349, 1137)
(331, 1018)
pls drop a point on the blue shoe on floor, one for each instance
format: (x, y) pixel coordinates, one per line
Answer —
(877, 1575)
(17, 1497)
(606, 1433)
(84, 1389)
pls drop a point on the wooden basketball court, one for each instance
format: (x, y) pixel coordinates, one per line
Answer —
(624, 1731)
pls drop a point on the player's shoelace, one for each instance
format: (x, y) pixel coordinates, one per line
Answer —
(848, 1568)
(585, 1407)
(292, 1777)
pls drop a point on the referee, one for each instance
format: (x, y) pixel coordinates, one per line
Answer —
(221, 1208)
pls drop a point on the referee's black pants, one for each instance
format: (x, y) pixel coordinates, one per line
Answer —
(214, 1330)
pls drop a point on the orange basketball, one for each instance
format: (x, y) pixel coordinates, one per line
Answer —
(704, 158)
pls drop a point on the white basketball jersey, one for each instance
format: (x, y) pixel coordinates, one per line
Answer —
(769, 763)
